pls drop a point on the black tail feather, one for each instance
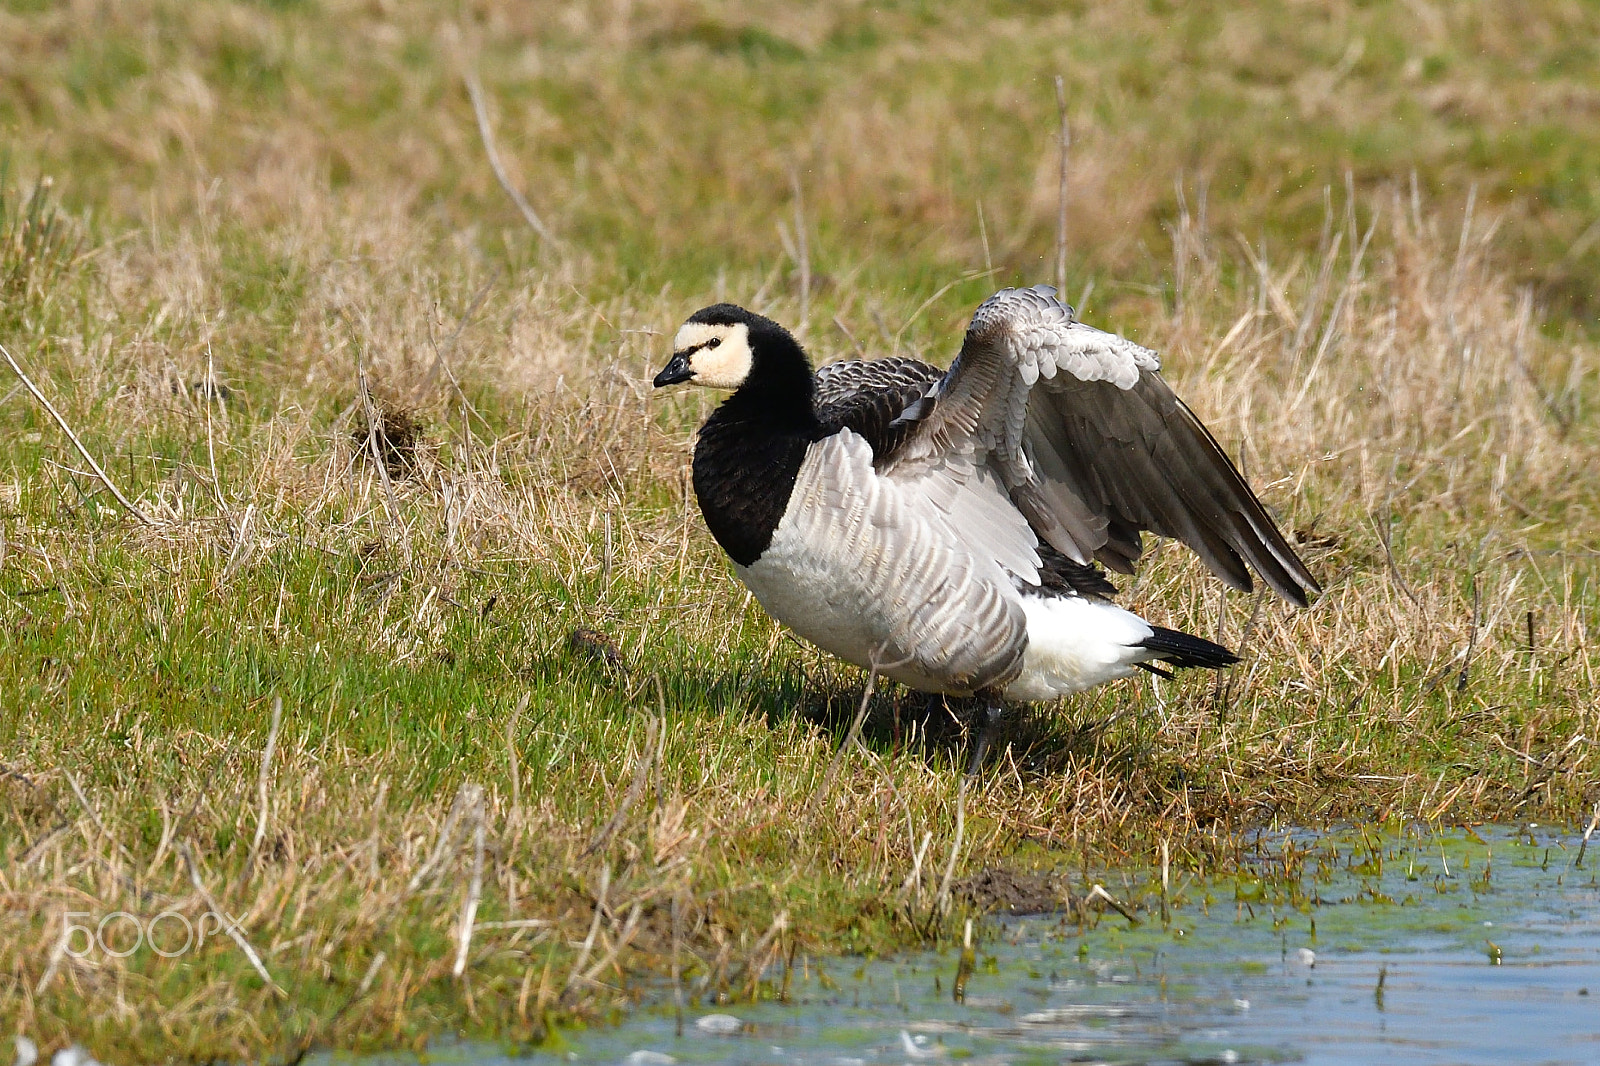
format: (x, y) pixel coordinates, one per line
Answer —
(1184, 649)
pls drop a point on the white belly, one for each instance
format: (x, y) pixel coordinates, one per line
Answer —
(1075, 644)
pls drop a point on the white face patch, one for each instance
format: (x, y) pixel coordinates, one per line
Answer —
(719, 356)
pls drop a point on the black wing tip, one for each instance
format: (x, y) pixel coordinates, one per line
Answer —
(1279, 566)
(1301, 596)
(1282, 566)
(1298, 588)
(1187, 650)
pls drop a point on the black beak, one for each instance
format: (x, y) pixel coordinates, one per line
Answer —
(676, 370)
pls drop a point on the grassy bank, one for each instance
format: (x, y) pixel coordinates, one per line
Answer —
(533, 737)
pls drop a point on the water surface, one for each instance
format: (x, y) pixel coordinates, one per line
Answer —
(1451, 947)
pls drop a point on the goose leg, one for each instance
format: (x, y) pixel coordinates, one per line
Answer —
(991, 715)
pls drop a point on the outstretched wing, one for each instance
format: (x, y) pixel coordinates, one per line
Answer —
(1092, 446)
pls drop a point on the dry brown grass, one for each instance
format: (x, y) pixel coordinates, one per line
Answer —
(1407, 393)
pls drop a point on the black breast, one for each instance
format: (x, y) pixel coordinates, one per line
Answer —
(744, 473)
(750, 449)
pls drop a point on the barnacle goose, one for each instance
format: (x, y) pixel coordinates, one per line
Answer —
(942, 527)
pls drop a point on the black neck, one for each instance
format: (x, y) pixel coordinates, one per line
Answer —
(750, 450)
(779, 389)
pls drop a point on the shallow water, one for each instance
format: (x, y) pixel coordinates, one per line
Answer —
(1420, 947)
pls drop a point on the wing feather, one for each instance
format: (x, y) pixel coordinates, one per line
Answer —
(877, 400)
(895, 568)
(851, 378)
(1093, 447)
(870, 398)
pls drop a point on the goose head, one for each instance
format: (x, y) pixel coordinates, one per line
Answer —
(724, 347)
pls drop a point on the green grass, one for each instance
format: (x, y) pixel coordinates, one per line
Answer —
(285, 192)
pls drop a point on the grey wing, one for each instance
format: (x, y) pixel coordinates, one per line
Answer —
(872, 399)
(838, 382)
(887, 562)
(1093, 447)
